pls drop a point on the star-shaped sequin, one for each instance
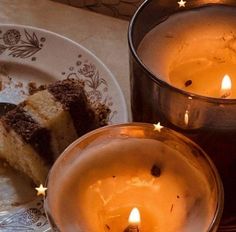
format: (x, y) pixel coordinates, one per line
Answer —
(41, 190)
(157, 127)
(182, 3)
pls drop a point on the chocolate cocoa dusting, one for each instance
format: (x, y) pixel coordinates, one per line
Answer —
(102, 113)
(155, 171)
(32, 87)
(30, 131)
(22, 123)
(70, 93)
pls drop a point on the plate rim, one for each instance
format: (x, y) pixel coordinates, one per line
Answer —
(85, 50)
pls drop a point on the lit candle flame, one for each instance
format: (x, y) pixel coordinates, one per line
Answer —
(226, 86)
(134, 217)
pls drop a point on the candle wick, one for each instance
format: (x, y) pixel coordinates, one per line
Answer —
(225, 95)
(132, 228)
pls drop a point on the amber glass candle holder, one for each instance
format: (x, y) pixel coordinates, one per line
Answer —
(104, 174)
(208, 121)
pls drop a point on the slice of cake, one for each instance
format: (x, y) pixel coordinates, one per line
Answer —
(34, 134)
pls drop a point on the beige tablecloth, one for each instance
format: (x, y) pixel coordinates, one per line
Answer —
(117, 8)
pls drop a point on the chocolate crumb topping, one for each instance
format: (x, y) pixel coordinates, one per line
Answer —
(33, 88)
(70, 93)
(102, 114)
(155, 171)
(30, 131)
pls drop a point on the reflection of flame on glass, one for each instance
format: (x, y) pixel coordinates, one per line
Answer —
(186, 117)
(226, 86)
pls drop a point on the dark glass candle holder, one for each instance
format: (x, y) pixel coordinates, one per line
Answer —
(210, 122)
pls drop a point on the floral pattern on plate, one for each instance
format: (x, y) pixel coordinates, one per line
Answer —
(20, 45)
(95, 85)
(32, 218)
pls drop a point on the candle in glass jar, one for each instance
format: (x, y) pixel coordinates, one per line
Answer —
(193, 50)
(111, 176)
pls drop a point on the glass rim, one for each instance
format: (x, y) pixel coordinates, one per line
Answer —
(215, 175)
(155, 78)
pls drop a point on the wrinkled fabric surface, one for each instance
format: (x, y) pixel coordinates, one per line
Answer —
(117, 8)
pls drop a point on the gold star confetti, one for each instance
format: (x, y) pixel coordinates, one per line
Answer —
(182, 3)
(157, 127)
(41, 190)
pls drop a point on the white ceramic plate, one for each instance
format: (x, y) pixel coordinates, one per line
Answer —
(27, 55)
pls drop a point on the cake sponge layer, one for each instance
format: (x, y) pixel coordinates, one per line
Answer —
(34, 134)
(22, 156)
(50, 114)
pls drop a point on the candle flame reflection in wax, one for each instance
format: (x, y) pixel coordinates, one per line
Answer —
(226, 86)
(134, 217)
